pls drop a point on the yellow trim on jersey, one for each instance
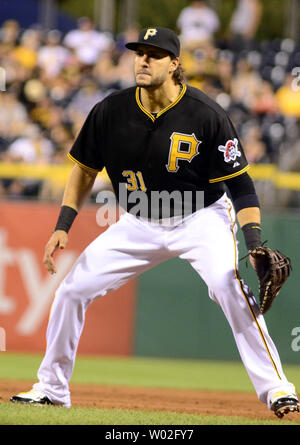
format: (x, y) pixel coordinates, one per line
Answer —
(82, 165)
(230, 176)
(245, 296)
(137, 96)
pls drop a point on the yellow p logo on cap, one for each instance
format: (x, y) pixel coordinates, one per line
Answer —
(150, 33)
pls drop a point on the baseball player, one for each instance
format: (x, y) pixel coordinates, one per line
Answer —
(161, 136)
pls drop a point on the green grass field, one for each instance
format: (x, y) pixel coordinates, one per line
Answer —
(141, 372)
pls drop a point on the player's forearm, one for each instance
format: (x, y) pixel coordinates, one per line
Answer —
(248, 215)
(246, 204)
(78, 187)
(249, 220)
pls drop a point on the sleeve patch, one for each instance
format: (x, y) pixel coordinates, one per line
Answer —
(230, 150)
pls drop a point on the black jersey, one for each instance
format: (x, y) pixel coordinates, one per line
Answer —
(191, 145)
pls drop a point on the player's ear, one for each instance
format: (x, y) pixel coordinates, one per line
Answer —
(174, 64)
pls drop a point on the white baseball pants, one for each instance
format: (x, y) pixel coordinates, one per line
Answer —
(131, 246)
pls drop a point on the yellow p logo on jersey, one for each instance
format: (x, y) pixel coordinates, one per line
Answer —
(176, 153)
(150, 33)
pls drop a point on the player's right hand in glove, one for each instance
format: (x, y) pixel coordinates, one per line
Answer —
(57, 241)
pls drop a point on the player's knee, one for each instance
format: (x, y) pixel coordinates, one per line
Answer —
(69, 293)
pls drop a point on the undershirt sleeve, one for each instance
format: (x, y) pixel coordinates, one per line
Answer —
(242, 191)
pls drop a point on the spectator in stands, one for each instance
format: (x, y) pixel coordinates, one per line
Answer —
(84, 100)
(225, 71)
(200, 65)
(115, 75)
(14, 118)
(245, 85)
(61, 91)
(62, 138)
(253, 144)
(34, 90)
(87, 42)
(288, 97)
(105, 70)
(244, 23)
(47, 114)
(26, 52)
(52, 57)
(31, 147)
(265, 101)
(124, 71)
(9, 33)
(130, 34)
(197, 24)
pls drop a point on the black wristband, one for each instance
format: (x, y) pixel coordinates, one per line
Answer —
(66, 218)
(252, 235)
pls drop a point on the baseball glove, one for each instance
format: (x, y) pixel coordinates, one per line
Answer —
(273, 268)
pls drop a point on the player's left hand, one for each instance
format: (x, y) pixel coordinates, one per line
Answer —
(273, 268)
(252, 262)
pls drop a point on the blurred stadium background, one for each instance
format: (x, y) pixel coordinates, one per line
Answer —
(57, 59)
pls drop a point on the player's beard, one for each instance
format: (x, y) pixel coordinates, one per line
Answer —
(149, 81)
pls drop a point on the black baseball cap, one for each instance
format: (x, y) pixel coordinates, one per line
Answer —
(158, 37)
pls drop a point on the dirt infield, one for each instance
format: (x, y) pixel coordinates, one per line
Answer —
(174, 400)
